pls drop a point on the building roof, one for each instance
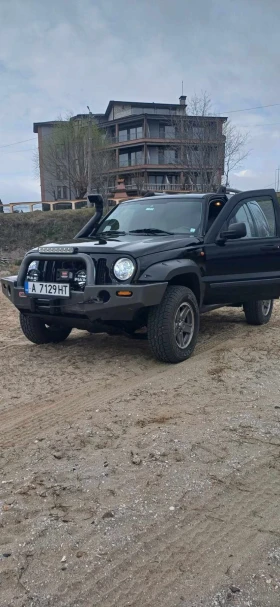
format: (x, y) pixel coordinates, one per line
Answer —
(140, 104)
(36, 125)
(100, 117)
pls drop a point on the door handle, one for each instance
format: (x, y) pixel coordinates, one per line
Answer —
(270, 247)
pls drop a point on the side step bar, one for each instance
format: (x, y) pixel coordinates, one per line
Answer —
(204, 309)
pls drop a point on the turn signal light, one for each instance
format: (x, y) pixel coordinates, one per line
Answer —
(124, 293)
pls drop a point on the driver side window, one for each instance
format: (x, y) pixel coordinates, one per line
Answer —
(240, 214)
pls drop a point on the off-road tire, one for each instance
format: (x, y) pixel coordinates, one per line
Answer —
(161, 325)
(254, 312)
(39, 333)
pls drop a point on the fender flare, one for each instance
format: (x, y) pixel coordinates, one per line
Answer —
(166, 271)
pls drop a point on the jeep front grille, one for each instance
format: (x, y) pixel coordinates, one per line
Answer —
(49, 271)
(102, 272)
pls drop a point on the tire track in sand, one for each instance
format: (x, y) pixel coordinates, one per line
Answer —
(22, 422)
(161, 561)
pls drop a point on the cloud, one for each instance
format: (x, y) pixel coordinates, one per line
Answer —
(246, 173)
(59, 56)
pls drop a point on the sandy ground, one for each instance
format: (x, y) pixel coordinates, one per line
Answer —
(126, 482)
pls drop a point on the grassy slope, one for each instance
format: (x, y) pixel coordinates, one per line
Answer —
(21, 231)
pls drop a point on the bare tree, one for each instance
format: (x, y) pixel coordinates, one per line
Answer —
(65, 157)
(138, 179)
(208, 146)
(236, 150)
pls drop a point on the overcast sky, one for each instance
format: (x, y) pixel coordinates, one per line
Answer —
(58, 56)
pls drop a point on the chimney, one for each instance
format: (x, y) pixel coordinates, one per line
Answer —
(182, 100)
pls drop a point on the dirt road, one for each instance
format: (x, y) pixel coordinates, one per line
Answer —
(125, 482)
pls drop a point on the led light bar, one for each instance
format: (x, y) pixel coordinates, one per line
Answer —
(59, 250)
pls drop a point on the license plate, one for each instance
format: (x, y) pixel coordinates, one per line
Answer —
(47, 289)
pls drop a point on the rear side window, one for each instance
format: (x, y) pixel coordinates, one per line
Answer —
(262, 211)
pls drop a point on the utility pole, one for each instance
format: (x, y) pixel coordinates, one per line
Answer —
(89, 187)
(277, 180)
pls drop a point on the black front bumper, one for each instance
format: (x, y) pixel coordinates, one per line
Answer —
(94, 303)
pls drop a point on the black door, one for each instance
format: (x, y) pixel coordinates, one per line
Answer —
(249, 267)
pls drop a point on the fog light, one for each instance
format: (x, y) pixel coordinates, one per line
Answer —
(33, 275)
(81, 278)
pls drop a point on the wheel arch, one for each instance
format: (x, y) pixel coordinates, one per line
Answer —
(188, 280)
(179, 272)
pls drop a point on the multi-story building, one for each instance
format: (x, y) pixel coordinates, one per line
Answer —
(156, 146)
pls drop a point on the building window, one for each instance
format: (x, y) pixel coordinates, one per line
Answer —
(124, 160)
(156, 179)
(131, 158)
(123, 135)
(136, 158)
(163, 180)
(169, 132)
(61, 192)
(161, 157)
(167, 156)
(172, 179)
(166, 131)
(61, 174)
(198, 132)
(135, 132)
(170, 157)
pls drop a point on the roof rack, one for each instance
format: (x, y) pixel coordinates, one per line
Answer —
(148, 194)
(232, 191)
(224, 190)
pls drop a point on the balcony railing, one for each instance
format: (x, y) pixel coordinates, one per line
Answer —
(157, 136)
(191, 139)
(163, 161)
(165, 187)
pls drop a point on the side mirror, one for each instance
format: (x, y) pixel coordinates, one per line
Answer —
(235, 231)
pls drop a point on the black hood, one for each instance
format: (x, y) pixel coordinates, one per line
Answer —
(136, 246)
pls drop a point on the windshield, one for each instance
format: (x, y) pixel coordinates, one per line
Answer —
(157, 216)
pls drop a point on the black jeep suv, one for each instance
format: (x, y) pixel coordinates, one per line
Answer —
(156, 262)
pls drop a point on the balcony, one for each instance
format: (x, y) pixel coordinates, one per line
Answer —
(149, 139)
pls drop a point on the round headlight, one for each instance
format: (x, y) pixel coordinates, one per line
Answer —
(33, 275)
(81, 278)
(124, 269)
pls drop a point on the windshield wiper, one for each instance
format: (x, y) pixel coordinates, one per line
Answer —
(150, 231)
(113, 232)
